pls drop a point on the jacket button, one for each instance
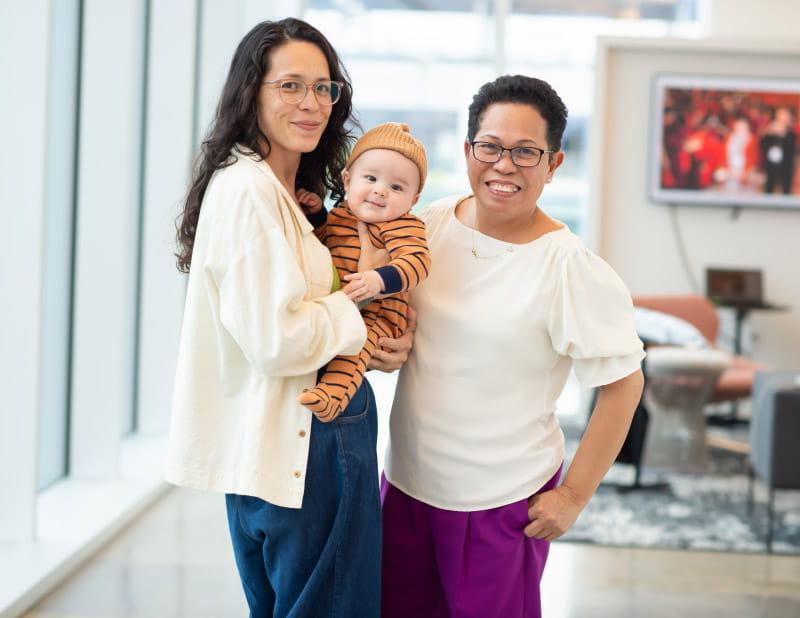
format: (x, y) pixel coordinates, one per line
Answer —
(302, 433)
(297, 474)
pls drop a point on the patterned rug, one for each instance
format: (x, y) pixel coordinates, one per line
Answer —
(702, 512)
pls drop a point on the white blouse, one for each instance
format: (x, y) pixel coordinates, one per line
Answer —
(258, 323)
(473, 424)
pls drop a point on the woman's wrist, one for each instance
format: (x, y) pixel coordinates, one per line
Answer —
(578, 495)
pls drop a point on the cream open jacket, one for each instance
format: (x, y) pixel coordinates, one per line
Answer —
(258, 323)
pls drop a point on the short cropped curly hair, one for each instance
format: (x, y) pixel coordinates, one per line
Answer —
(525, 90)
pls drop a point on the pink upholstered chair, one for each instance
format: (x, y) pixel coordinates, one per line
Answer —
(735, 382)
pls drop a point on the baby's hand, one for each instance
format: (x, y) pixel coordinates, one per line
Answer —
(362, 286)
(311, 203)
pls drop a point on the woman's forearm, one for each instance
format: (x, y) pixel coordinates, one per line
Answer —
(604, 435)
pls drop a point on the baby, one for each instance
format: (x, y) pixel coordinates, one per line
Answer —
(383, 179)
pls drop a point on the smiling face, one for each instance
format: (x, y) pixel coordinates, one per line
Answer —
(504, 190)
(293, 128)
(381, 185)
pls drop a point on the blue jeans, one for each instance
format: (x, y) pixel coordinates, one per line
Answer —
(324, 559)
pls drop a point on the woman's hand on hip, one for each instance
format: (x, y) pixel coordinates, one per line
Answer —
(393, 353)
(370, 256)
(552, 513)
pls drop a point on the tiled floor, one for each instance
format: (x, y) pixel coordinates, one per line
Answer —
(175, 561)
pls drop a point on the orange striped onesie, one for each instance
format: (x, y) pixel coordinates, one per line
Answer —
(410, 262)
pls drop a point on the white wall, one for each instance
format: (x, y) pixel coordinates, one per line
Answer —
(635, 235)
(752, 19)
(24, 25)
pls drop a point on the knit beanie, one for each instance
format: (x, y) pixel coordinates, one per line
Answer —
(393, 136)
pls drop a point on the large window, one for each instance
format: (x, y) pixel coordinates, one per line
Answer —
(54, 382)
(425, 80)
(428, 79)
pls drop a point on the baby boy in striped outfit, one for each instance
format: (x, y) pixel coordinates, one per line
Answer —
(383, 179)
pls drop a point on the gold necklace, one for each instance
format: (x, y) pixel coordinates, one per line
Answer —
(509, 246)
(509, 249)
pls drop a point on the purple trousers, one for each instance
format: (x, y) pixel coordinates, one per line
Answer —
(453, 564)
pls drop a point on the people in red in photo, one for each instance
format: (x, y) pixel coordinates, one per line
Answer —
(701, 155)
(730, 141)
(675, 131)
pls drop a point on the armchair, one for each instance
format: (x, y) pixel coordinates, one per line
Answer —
(774, 434)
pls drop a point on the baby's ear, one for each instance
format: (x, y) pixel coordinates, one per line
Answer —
(416, 199)
(346, 179)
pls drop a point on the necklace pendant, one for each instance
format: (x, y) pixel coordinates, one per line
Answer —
(475, 254)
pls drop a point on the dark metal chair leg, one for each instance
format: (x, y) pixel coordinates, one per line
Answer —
(727, 419)
(733, 412)
(770, 517)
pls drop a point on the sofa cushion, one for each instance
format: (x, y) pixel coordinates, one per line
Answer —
(657, 327)
(736, 381)
(695, 309)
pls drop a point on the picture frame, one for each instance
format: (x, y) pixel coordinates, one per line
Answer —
(725, 141)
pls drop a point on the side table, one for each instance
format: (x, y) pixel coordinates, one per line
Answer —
(679, 384)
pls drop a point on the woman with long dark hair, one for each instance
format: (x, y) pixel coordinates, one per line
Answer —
(262, 318)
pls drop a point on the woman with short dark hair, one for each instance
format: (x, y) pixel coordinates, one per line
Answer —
(513, 302)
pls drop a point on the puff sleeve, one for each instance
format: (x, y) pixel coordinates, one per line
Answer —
(592, 320)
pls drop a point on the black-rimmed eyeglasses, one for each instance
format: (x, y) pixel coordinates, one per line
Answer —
(523, 156)
(326, 91)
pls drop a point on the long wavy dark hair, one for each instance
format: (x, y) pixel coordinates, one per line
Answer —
(236, 123)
